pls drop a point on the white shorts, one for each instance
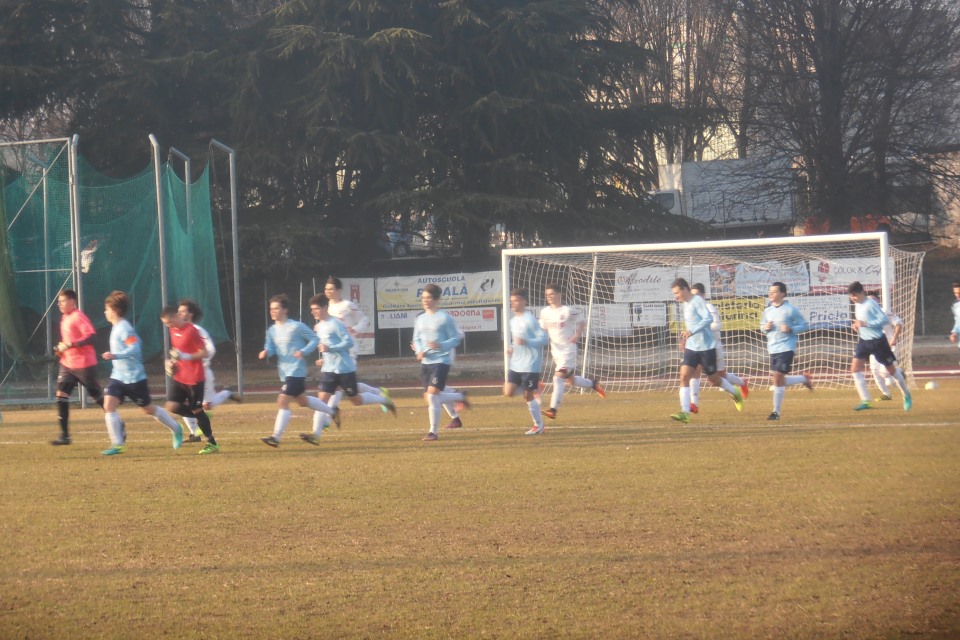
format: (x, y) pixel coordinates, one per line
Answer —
(565, 359)
(208, 384)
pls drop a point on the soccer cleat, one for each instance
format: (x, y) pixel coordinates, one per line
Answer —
(430, 437)
(596, 387)
(193, 438)
(113, 451)
(682, 417)
(863, 405)
(694, 408)
(907, 402)
(177, 437)
(808, 381)
(270, 441)
(886, 397)
(738, 399)
(236, 397)
(745, 390)
(336, 416)
(210, 448)
(773, 416)
(388, 406)
(534, 431)
(455, 423)
(311, 438)
(550, 413)
(61, 441)
(463, 404)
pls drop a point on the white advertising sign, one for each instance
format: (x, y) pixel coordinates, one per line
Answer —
(649, 314)
(468, 320)
(458, 290)
(824, 312)
(610, 320)
(652, 284)
(834, 276)
(755, 279)
(361, 291)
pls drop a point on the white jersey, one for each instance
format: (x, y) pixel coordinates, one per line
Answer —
(209, 385)
(716, 326)
(561, 325)
(353, 318)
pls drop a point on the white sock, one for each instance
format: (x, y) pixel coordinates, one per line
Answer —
(433, 411)
(685, 399)
(219, 398)
(535, 413)
(161, 416)
(335, 400)
(878, 378)
(695, 390)
(113, 428)
(191, 425)
(789, 381)
(582, 383)
(449, 396)
(319, 405)
(280, 425)
(559, 386)
(363, 387)
(319, 421)
(726, 386)
(861, 383)
(901, 382)
(451, 410)
(735, 379)
(371, 397)
(778, 394)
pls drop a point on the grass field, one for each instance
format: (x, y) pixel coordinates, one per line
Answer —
(614, 523)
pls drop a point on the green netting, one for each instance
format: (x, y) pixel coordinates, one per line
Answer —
(119, 244)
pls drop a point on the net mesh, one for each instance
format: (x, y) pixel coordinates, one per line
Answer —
(119, 249)
(631, 342)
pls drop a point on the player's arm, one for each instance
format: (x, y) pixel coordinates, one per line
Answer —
(207, 343)
(715, 322)
(360, 320)
(311, 339)
(130, 347)
(344, 341)
(536, 336)
(798, 324)
(703, 320)
(269, 346)
(453, 339)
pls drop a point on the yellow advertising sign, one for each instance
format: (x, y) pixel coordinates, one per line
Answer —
(736, 314)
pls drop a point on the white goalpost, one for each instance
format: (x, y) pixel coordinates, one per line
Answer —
(631, 338)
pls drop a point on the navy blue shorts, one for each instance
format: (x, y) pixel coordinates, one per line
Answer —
(707, 359)
(186, 395)
(528, 381)
(329, 381)
(879, 348)
(434, 375)
(293, 386)
(781, 362)
(139, 392)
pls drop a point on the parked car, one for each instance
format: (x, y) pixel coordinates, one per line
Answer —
(416, 243)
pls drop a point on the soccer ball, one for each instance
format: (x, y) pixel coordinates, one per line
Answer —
(931, 385)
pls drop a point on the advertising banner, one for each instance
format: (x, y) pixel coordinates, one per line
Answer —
(652, 284)
(361, 291)
(755, 279)
(649, 314)
(468, 320)
(834, 276)
(740, 314)
(825, 312)
(398, 293)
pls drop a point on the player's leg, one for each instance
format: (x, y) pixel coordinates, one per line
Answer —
(434, 378)
(115, 429)
(282, 421)
(351, 387)
(67, 380)
(879, 373)
(694, 385)
(857, 365)
(329, 383)
(530, 382)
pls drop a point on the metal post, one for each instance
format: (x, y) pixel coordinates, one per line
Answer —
(48, 321)
(74, 182)
(186, 180)
(236, 258)
(162, 242)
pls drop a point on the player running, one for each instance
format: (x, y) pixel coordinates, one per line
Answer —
(78, 360)
(869, 320)
(526, 339)
(781, 322)
(564, 325)
(892, 331)
(716, 326)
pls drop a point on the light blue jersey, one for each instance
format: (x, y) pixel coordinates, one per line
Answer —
(697, 320)
(286, 338)
(528, 357)
(125, 345)
(435, 327)
(334, 335)
(956, 317)
(779, 341)
(871, 318)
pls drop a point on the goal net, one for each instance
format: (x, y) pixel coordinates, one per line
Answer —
(631, 339)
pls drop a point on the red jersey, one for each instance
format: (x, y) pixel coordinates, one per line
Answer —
(76, 327)
(187, 339)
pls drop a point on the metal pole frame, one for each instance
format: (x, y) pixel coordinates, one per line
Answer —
(162, 242)
(238, 336)
(186, 179)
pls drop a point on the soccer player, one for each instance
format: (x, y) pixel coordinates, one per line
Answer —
(892, 331)
(355, 320)
(435, 335)
(699, 348)
(128, 378)
(955, 331)
(527, 339)
(564, 326)
(78, 360)
(290, 341)
(338, 369)
(869, 320)
(781, 322)
(186, 366)
(189, 311)
(716, 327)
